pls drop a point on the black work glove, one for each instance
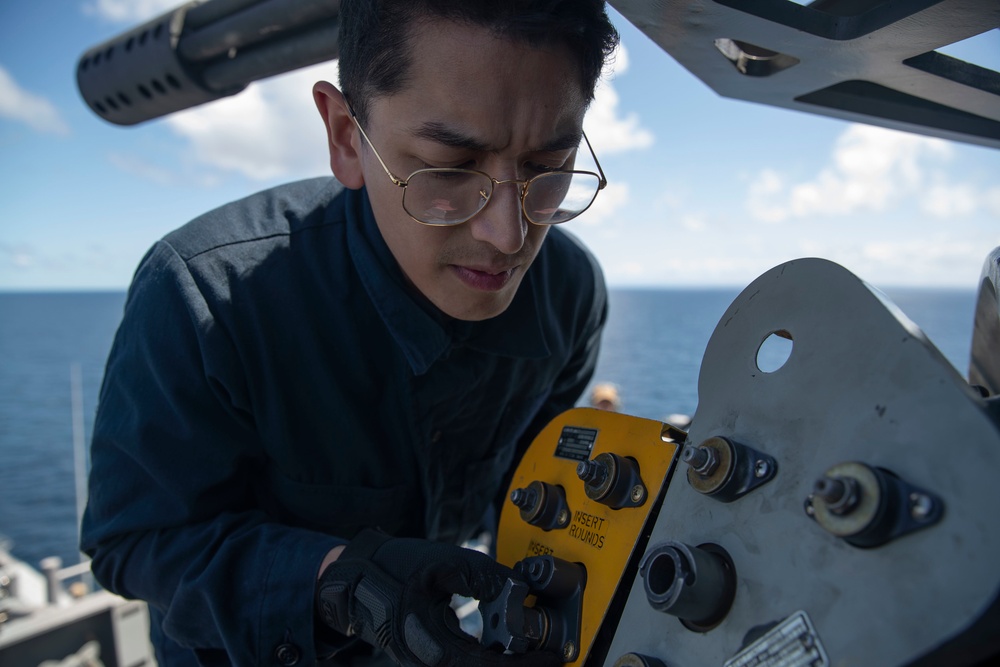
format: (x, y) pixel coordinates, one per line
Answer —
(395, 593)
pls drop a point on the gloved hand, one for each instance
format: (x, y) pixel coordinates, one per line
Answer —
(395, 593)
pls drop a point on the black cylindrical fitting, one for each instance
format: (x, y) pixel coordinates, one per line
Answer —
(696, 584)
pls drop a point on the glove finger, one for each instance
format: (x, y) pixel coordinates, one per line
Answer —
(471, 575)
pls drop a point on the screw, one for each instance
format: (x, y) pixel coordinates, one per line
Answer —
(921, 506)
(762, 469)
(638, 493)
(563, 517)
(569, 651)
(808, 505)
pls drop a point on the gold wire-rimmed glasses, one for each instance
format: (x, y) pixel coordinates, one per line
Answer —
(447, 196)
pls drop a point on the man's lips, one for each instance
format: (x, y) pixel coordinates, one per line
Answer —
(483, 278)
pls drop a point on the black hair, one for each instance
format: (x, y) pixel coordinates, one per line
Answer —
(374, 54)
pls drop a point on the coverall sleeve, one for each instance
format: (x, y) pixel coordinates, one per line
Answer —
(172, 516)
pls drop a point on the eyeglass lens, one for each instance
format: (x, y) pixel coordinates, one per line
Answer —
(450, 197)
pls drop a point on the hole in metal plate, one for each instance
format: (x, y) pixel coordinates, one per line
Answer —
(774, 351)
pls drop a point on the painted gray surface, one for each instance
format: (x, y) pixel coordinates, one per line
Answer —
(862, 383)
(873, 63)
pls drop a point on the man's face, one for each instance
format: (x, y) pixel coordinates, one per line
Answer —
(476, 102)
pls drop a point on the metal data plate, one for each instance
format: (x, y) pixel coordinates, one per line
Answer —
(601, 538)
(792, 643)
(862, 383)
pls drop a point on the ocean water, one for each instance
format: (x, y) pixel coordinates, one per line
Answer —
(655, 339)
(653, 345)
(41, 336)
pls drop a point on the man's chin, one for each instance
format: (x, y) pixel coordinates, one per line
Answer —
(478, 306)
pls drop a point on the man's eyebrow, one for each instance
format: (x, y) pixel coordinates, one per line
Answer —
(566, 141)
(442, 134)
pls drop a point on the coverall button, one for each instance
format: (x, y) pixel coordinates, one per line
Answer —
(287, 654)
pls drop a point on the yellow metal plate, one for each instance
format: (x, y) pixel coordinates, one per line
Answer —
(600, 538)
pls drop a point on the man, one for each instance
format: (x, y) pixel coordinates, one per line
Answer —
(329, 357)
(604, 396)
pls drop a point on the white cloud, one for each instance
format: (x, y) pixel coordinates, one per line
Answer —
(147, 169)
(610, 132)
(943, 260)
(991, 200)
(16, 256)
(122, 11)
(608, 205)
(948, 201)
(632, 269)
(270, 130)
(23, 106)
(132, 165)
(871, 168)
(694, 222)
(760, 197)
(940, 258)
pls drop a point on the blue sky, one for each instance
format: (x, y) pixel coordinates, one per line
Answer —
(704, 190)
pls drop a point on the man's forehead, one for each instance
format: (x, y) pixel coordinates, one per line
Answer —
(466, 87)
(454, 136)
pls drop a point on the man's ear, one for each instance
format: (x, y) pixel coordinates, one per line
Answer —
(342, 135)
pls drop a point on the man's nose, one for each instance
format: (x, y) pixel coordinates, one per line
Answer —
(502, 223)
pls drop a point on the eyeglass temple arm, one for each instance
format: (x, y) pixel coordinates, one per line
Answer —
(397, 181)
(604, 180)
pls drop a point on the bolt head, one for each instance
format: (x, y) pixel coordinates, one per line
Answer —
(762, 469)
(563, 517)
